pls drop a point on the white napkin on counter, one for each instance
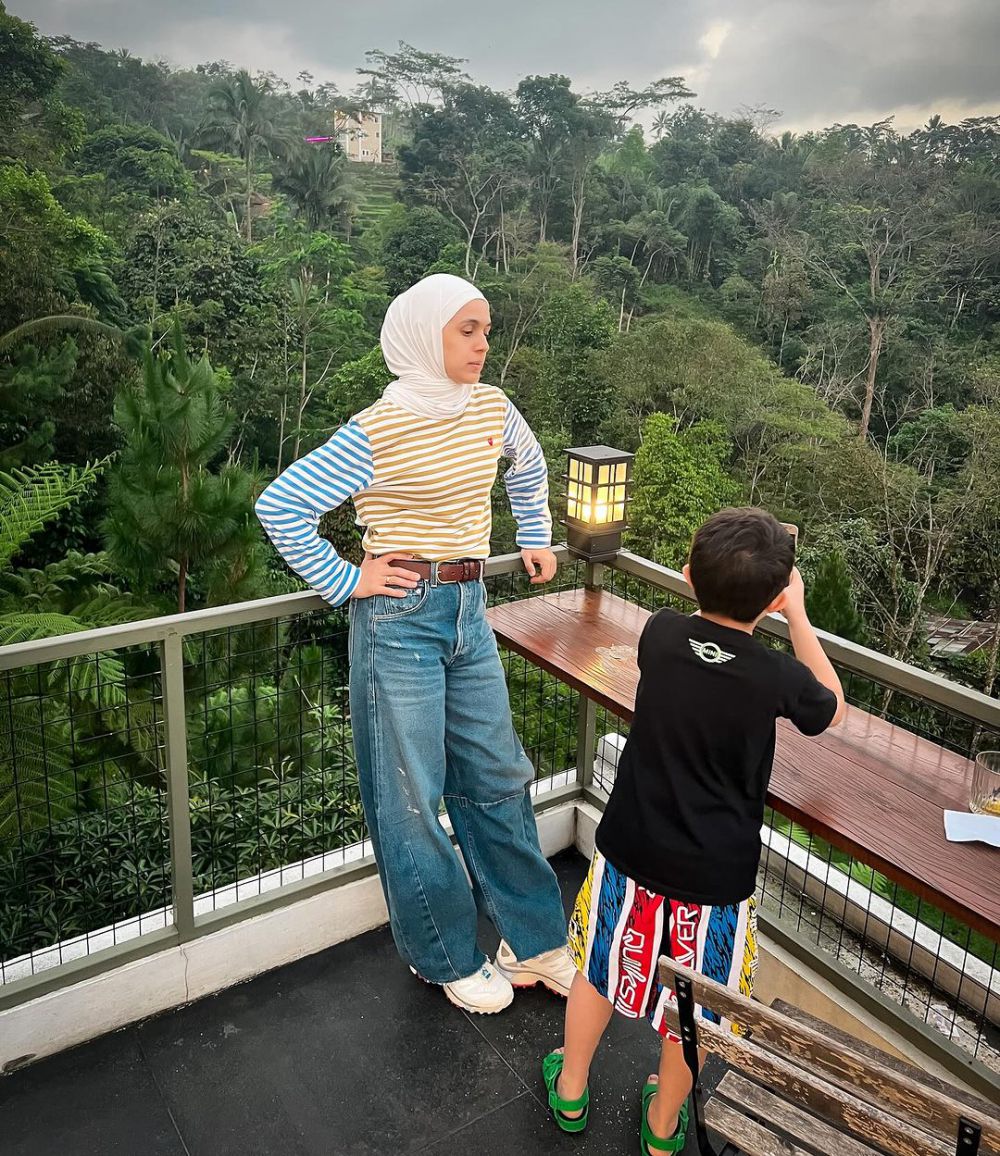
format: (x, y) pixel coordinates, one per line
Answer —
(966, 827)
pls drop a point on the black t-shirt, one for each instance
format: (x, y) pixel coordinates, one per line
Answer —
(685, 814)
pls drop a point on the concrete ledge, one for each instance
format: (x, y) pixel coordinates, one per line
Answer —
(82, 1011)
(929, 954)
(237, 952)
(71, 1015)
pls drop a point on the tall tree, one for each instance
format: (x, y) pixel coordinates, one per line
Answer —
(183, 261)
(317, 183)
(622, 101)
(627, 169)
(49, 259)
(545, 106)
(28, 381)
(173, 510)
(873, 236)
(680, 480)
(29, 69)
(415, 76)
(137, 163)
(830, 596)
(412, 240)
(465, 156)
(700, 370)
(242, 118)
(114, 86)
(322, 326)
(591, 128)
(978, 563)
(713, 229)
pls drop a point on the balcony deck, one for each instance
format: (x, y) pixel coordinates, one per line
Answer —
(343, 1052)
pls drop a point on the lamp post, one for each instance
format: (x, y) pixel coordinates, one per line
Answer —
(598, 490)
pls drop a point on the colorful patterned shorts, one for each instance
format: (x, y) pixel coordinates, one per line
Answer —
(619, 930)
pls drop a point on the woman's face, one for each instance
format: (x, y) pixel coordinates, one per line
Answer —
(464, 342)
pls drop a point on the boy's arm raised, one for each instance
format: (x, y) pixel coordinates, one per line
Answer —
(805, 643)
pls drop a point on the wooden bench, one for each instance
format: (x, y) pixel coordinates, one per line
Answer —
(797, 1088)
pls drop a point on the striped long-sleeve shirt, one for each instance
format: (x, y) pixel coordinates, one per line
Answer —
(420, 486)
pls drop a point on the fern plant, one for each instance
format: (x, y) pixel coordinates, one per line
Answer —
(32, 497)
(49, 713)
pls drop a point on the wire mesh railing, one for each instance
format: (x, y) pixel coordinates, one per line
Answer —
(123, 816)
(156, 775)
(85, 826)
(84, 840)
(273, 782)
(544, 708)
(936, 967)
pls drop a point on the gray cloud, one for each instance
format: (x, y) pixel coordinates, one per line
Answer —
(826, 62)
(817, 61)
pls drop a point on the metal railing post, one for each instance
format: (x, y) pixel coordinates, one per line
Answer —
(594, 575)
(178, 796)
(586, 720)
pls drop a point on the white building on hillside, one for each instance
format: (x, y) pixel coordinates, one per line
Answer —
(360, 135)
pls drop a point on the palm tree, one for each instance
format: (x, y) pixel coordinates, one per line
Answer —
(661, 122)
(317, 183)
(132, 339)
(933, 136)
(240, 119)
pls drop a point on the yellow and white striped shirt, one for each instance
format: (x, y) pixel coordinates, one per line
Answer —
(420, 486)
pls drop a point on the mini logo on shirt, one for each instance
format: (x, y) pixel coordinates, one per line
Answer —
(710, 651)
(489, 441)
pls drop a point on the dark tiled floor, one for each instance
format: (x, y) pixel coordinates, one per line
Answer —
(340, 1054)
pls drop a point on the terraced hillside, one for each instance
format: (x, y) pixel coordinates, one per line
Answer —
(376, 187)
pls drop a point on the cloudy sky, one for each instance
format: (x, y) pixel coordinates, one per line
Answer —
(819, 61)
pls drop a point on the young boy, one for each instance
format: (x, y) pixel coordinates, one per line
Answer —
(678, 848)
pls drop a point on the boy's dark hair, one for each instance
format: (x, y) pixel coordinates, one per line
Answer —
(740, 562)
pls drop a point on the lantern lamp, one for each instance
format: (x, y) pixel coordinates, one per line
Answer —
(598, 490)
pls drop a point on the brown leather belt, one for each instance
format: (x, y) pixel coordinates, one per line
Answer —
(471, 570)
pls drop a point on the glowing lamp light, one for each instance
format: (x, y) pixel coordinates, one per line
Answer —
(598, 490)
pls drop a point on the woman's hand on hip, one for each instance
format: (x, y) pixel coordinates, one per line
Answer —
(378, 577)
(540, 564)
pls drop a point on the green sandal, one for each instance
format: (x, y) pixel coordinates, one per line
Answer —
(552, 1065)
(648, 1139)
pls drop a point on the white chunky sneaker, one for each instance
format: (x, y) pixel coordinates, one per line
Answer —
(553, 968)
(485, 992)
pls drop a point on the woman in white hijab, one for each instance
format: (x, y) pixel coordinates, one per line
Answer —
(429, 705)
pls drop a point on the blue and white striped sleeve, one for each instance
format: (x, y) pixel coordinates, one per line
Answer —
(291, 506)
(527, 482)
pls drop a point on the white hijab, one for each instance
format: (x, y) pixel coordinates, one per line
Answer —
(413, 347)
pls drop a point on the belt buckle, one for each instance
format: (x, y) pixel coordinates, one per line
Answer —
(462, 577)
